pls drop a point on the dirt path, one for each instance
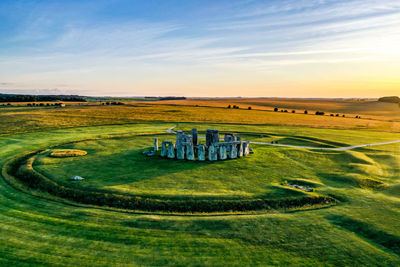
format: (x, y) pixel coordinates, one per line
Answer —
(328, 148)
(171, 130)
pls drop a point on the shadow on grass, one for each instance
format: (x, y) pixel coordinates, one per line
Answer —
(367, 231)
(183, 226)
(337, 180)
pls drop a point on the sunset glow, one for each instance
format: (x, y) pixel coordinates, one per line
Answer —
(201, 48)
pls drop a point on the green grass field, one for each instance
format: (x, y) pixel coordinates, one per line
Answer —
(362, 229)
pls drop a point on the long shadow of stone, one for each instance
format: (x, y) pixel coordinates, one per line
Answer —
(367, 231)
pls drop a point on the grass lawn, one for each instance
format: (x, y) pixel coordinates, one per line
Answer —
(363, 229)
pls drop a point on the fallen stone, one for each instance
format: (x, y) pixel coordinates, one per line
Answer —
(148, 153)
(77, 178)
(302, 187)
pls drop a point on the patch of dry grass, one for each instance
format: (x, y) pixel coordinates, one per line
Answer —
(66, 153)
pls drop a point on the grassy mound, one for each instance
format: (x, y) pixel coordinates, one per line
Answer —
(66, 153)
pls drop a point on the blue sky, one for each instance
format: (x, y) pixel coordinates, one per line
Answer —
(201, 48)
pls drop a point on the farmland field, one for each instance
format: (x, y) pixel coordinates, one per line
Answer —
(360, 228)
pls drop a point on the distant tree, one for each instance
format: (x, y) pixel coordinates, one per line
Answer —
(286, 110)
(107, 103)
(337, 115)
(293, 111)
(41, 104)
(8, 104)
(229, 106)
(321, 113)
(305, 111)
(332, 115)
(390, 99)
(249, 108)
(275, 109)
(343, 116)
(48, 104)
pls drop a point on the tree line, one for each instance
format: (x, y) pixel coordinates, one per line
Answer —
(40, 98)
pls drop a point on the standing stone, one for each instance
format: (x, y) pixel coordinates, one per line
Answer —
(180, 152)
(194, 136)
(233, 151)
(201, 153)
(246, 146)
(190, 151)
(188, 139)
(240, 149)
(155, 144)
(209, 134)
(179, 139)
(215, 137)
(222, 152)
(229, 137)
(212, 153)
(171, 150)
(164, 149)
(212, 137)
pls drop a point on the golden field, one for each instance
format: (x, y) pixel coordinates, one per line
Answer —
(27, 119)
(366, 108)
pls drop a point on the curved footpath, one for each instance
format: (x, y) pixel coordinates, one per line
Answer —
(171, 130)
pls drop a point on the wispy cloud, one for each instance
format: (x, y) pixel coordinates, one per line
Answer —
(245, 37)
